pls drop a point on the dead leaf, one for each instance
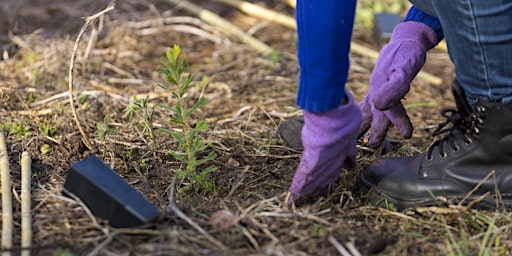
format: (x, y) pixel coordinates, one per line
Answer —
(223, 219)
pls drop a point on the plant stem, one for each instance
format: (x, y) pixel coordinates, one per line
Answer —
(26, 204)
(7, 222)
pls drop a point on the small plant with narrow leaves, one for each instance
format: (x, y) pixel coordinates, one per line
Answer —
(104, 128)
(142, 113)
(17, 128)
(187, 134)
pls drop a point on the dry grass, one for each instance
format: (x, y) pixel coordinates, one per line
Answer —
(249, 96)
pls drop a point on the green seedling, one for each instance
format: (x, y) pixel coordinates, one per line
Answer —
(191, 146)
(143, 112)
(17, 128)
(104, 129)
(45, 150)
(48, 130)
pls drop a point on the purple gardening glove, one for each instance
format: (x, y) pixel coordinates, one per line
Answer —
(329, 140)
(399, 62)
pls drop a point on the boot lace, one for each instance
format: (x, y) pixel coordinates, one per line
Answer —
(461, 125)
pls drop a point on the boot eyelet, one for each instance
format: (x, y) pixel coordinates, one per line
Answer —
(476, 130)
(456, 149)
(468, 142)
(429, 158)
(480, 120)
(444, 155)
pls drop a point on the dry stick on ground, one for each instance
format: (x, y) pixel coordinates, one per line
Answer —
(339, 247)
(26, 204)
(217, 21)
(7, 222)
(183, 216)
(261, 13)
(291, 3)
(354, 47)
(92, 42)
(90, 20)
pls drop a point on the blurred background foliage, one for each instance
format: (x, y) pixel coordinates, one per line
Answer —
(367, 8)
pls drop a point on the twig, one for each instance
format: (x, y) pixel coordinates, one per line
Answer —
(26, 203)
(7, 222)
(291, 3)
(102, 245)
(90, 20)
(238, 183)
(79, 201)
(90, 44)
(183, 216)
(262, 13)
(181, 28)
(352, 248)
(339, 247)
(217, 21)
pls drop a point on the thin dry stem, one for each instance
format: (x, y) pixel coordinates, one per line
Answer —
(183, 216)
(339, 247)
(26, 203)
(89, 21)
(7, 221)
(228, 27)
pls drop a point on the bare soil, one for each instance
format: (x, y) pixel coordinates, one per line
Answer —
(249, 95)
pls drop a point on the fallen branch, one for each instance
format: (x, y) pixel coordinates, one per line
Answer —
(89, 21)
(262, 13)
(217, 21)
(183, 216)
(7, 222)
(26, 204)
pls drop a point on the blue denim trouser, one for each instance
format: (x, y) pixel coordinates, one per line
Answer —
(479, 38)
(324, 33)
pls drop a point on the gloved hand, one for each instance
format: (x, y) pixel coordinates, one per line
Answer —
(399, 62)
(329, 140)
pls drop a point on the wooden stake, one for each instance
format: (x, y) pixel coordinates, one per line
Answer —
(5, 176)
(26, 204)
(217, 21)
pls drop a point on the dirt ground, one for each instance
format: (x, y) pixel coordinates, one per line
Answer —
(249, 95)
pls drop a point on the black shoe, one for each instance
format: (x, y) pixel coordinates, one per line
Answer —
(471, 165)
(290, 132)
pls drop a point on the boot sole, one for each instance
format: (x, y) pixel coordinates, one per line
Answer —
(380, 198)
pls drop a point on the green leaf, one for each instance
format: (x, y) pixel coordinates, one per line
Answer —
(201, 102)
(165, 107)
(209, 169)
(186, 83)
(202, 125)
(198, 146)
(177, 136)
(180, 158)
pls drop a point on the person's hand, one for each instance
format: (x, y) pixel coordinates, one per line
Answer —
(399, 62)
(329, 139)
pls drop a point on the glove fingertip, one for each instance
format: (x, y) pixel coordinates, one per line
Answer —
(405, 129)
(375, 140)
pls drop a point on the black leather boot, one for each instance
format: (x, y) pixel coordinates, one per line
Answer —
(471, 165)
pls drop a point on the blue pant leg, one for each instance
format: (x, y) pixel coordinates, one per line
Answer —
(324, 30)
(479, 38)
